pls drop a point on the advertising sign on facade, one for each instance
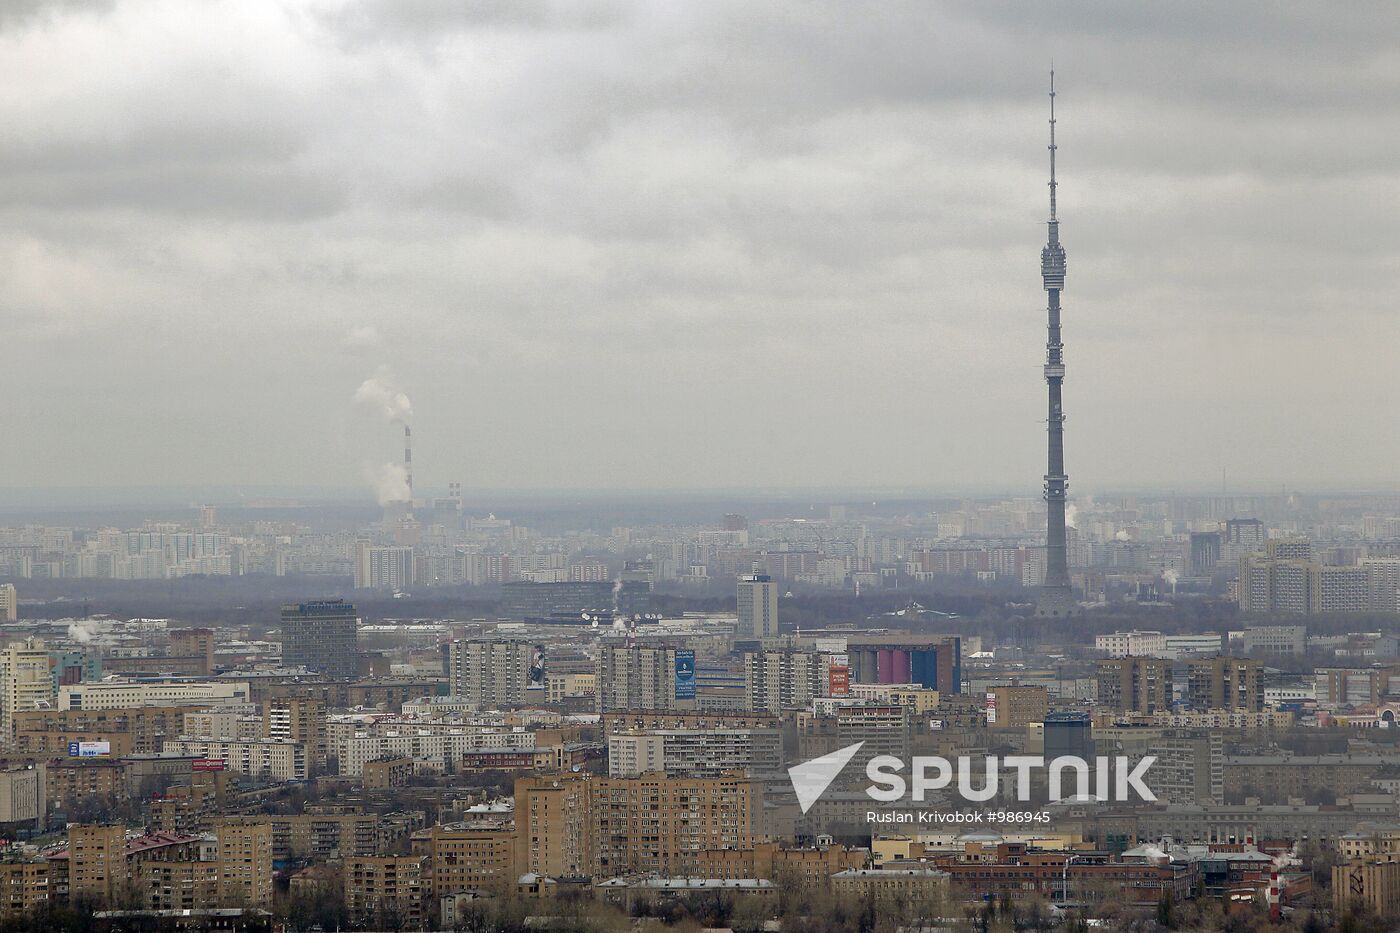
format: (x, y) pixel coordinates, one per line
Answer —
(685, 674)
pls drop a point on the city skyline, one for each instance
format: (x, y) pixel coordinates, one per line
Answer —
(613, 248)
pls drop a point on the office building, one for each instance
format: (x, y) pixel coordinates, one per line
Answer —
(1246, 532)
(1205, 553)
(1278, 640)
(132, 694)
(323, 637)
(574, 602)
(1069, 734)
(1131, 644)
(758, 606)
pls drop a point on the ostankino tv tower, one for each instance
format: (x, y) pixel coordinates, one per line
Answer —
(1056, 595)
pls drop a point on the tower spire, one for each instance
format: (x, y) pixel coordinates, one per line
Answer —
(1052, 143)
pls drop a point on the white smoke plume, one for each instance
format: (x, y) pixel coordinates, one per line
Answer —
(1170, 576)
(1072, 515)
(1121, 535)
(391, 484)
(82, 631)
(380, 393)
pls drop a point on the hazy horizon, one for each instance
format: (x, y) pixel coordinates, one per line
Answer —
(719, 246)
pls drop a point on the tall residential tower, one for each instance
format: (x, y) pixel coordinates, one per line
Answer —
(1056, 596)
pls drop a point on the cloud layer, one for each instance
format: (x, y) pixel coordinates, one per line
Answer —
(696, 244)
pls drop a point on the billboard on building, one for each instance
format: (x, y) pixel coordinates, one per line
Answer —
(991, 709)
(685, 674)
(89, 749)
(207, 764)
(838, 680)
(537, 667)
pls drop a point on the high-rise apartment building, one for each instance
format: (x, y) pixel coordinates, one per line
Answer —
(245, 862)
(1300, 585)
(758, 606)
(387, 889)
(584, 824)
(322, 636)
(26, 682)
(1019, 705)
(1190, 768)
(785, 678)
(9, 603)
(494, 673)
(384, 567)
(1382, 583)
(194, 643)
(1137, 685)
(696, 752)
(553, 831)
(298, 719)
(1225, 683)
(97, 866)
(640, 677)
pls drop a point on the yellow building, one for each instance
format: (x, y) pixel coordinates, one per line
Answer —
(24, 885)
(97, 868)
(245, 862)
(468, 857)
(386, 890)
(1362, 884)
(583, 824)
(928, 884)
(1017, 706)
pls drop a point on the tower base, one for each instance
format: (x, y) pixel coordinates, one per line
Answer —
(1056, 602)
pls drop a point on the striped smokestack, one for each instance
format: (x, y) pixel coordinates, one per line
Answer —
(408, 459)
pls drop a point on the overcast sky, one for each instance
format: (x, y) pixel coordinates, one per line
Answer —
(697, 244)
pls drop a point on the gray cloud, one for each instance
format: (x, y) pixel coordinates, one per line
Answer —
(780, 243)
